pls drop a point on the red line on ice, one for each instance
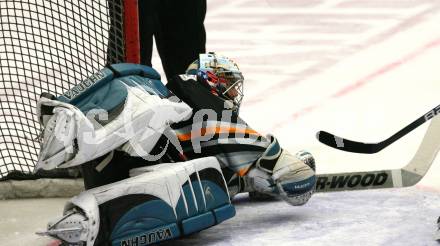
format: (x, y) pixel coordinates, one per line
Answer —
(360, 83)
(428, 188)
(385, 69)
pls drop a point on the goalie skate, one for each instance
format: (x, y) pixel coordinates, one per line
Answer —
(157, 204)
(68, 228)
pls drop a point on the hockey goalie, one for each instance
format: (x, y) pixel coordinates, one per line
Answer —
(160, 162)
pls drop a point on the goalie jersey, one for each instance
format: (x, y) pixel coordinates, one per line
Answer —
(212, 129)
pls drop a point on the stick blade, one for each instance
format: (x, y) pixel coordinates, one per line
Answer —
(346, 144)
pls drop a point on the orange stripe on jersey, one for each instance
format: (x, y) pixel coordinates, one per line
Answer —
(242, 172)
(216, 130)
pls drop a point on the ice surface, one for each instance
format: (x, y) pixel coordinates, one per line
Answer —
(381, 217)
(388, 217)
(359, 69)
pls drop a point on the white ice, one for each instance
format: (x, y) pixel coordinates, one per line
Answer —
(359, 69)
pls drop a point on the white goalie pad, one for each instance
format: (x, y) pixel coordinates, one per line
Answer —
(163, 181)
(81, 217)
(71, 138)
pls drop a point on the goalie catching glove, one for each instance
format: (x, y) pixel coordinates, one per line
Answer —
(280, 174)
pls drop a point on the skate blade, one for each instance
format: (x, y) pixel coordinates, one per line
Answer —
(55, 232)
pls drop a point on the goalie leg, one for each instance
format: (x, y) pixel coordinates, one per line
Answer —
(159, 203)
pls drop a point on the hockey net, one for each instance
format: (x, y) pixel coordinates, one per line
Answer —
(49, 46)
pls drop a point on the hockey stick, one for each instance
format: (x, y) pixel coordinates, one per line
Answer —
(409, 175)
(370, 148)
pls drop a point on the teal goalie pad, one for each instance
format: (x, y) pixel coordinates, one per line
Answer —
(159, 204)
(106, 88)
(122, 105)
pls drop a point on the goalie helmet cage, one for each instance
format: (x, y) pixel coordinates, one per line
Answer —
(49, 46)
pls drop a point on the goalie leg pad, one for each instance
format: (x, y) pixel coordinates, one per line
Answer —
(156, 205)
(131, 110)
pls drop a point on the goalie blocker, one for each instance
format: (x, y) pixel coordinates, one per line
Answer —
(159, 203)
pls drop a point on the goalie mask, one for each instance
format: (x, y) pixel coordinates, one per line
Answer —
(221, 75)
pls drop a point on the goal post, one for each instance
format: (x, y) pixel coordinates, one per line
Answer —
(131, 34)
(50, 46)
